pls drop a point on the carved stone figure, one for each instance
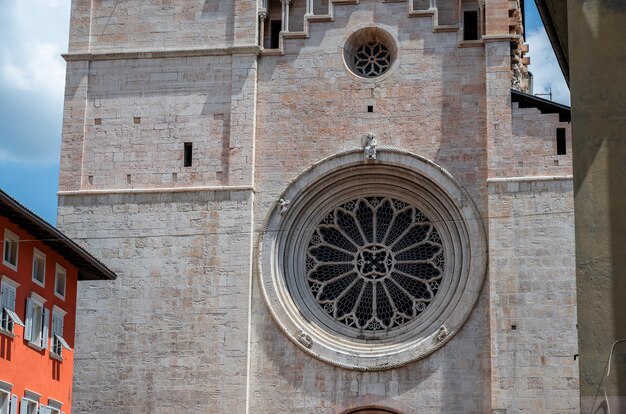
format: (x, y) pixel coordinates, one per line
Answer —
(370, 146)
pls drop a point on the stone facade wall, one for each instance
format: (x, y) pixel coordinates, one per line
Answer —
(531, 150)
(533, 296)
(140, 112)
(171, 333)
(311, 107)
(164, 24)
(185, 327)
(453, 379)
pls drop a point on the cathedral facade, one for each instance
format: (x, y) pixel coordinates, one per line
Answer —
(342, 206)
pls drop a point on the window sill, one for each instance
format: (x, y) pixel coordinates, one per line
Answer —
(7, 333)
(56, 357)
(10, 265)
(35, 346)
(38, 283)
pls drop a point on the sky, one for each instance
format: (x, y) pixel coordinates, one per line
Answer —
(34, 33)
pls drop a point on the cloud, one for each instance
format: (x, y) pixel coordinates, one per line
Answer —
(32, 79)
(544, 67)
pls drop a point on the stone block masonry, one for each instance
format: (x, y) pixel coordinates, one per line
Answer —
(186, 327)
(171, 334)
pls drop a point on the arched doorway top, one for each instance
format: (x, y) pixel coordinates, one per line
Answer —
(370, 404)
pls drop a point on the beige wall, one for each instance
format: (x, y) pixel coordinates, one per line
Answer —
(185, 327)
(596, 56)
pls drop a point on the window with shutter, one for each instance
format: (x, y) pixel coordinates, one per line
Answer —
(37, 326)
(4, 402)
(8, 317)
(28, 329)
(54, 406)
(13, 407)
(44, 331)
(28, 406)
(58, 342)
(37, 322)
(24, 406)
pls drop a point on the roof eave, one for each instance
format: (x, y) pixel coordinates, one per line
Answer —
(545, 106)
(54, 236)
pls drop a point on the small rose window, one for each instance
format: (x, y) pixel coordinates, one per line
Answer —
(370, 52)
(372, 59)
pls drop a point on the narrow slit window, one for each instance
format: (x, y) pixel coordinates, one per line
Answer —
(188, 154)
(561, 147)
(275, 26)
(470, 25)
(370, 108)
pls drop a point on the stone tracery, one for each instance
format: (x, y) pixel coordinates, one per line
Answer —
(374, 263)
(372, 59)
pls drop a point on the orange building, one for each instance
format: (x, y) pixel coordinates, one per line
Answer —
(39, 272)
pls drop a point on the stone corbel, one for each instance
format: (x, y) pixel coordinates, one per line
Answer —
(284, 205)
(442, 333)
(304, 339)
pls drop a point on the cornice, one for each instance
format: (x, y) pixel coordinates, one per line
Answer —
(160, 54)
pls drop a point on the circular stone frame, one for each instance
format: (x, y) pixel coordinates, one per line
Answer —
(340, 178)
(365, 35)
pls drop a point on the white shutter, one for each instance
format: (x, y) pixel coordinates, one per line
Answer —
(13, 406)
(28, 334)
(24, 406)
(55, 328)
(16, 319)
(57, 323)
(5, 296)
(63, 343)
(10, 303)
(44, 331)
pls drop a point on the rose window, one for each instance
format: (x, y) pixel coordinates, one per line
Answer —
(372, 59)
(374, 263)
(371, 265)
(370, 52)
